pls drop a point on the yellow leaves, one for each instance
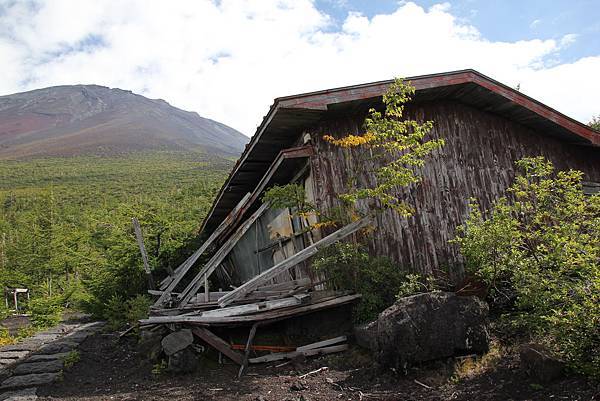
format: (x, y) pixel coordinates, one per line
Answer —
(323, 224)
(5, 338)
(351, 141)
(393, 147)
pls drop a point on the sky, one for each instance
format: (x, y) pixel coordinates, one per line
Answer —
(228, 59)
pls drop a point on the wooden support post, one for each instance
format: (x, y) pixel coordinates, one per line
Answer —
(219, 256)
(218, 344)
(292, 261)
(140, 240)
(181, 271)
(206, 290)
(248, 347)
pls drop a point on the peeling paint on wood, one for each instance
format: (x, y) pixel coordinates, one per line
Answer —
(477, 161)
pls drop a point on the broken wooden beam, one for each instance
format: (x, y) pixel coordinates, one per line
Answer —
(290, 355)
(253, 308)
(218, 257)
(140, 240)
(272, 315)
(292, 261)
(217, 343)
(321, 344)
(286, 285)
(187, 265)
(247, 352)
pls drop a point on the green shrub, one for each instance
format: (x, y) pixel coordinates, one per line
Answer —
(46, 311)
(349, 267)
(539, 248)
(137, 308)
(71, 359)
(114, 312)
(417, 284)
(119, 312)
(4, 312)
(26, 331)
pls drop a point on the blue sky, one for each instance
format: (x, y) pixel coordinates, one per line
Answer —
(228, 59)
(505, 20)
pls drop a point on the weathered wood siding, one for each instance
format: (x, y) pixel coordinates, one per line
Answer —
(477, 161)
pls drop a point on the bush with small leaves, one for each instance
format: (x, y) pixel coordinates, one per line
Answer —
(349, 267)
(46, 311)
(539, 249)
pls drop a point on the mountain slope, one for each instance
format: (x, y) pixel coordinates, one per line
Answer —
(92, 119)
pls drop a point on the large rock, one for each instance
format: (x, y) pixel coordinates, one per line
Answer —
(426, 327)
(540, 364)
(184, 361)
(149, 344)
(177, 341)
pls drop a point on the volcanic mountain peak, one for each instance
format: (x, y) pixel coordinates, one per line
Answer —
(92, 119)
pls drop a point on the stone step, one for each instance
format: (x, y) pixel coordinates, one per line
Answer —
(58, 347)
(46, 337)
(39, 367)
(78, 336)
(23, 346)
(13, 354)
(49, 357)
(31, 380)
(26, 394)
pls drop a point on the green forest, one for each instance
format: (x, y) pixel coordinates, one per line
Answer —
(66, 231)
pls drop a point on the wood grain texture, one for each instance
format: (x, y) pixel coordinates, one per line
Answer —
(477, 161)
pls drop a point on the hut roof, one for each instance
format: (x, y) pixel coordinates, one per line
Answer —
(290, 115)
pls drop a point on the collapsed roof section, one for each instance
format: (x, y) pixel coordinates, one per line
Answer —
(289, 116)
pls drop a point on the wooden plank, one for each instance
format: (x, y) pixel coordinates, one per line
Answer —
(200, 298)
(247, 352)
(286, 285)
(291, 153)
(252, 308)
(292, 261)
(140, 240)
(155, 292)
(321, 344)
(283, 313)
(270, 348)
(218, 257)
(218, 344)
(289, 355)
(304, 151)
(186, 266)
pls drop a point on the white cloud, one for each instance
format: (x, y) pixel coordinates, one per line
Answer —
(228, 60)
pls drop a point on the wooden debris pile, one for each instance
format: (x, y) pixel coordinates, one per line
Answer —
(261, 300)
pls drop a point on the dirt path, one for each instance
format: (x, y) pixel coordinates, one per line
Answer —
(112, 370)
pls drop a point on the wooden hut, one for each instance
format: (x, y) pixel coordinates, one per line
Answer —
(487, 127)
(260, 253)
